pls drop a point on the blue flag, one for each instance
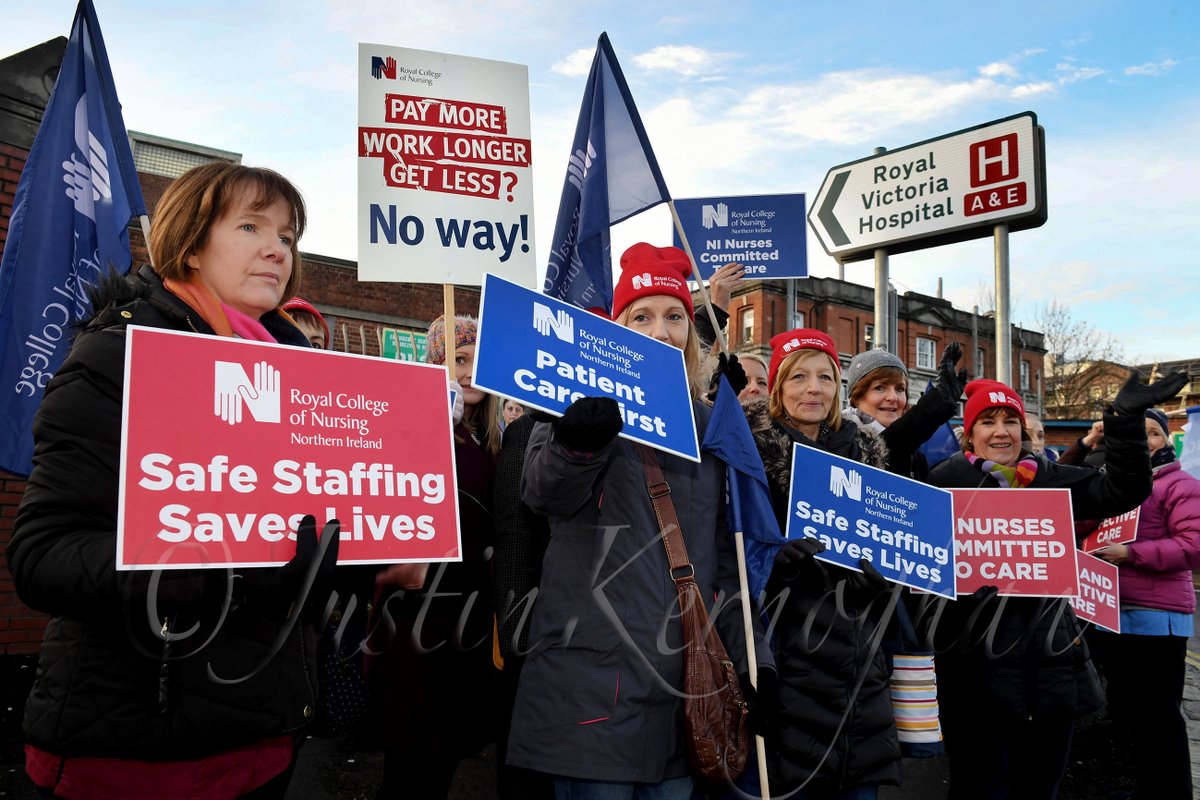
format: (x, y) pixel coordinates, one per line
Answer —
(611, 175)
(941, 445)
(69, 225)
(749, 499)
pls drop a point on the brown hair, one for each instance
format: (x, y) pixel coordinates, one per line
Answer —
(192, 203)
(890, 375)
(787, 367)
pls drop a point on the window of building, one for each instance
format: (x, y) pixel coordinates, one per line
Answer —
(1024, 376)
(869, 337)
(169, 158)
(1096, 392)
(979, 362)
(747, 326)
(800, 320)
(925, 357)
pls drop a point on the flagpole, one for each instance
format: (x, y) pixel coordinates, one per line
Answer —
(712, 315)
(739, 541)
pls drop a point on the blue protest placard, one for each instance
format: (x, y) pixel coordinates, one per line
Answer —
(546, 354)
(903, 527)
(765, 233)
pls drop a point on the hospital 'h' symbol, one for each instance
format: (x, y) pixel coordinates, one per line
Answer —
(232, 388)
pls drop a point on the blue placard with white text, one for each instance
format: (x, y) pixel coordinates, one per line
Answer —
(765, 233)
(546, 354)
(903, 527)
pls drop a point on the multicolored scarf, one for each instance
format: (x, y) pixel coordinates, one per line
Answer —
(224, 320)
(1008, 477)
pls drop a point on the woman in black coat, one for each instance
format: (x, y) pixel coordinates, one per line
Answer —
(126, 706)
(1013, 673)
(877, 386)
(835, 737)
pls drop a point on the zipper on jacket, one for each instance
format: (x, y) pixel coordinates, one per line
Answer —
(163, 666)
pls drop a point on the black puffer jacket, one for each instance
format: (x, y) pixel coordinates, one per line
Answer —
(107, 684)
(1038, 665)
(832, 730)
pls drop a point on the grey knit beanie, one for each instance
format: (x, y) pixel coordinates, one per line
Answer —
(865, 363)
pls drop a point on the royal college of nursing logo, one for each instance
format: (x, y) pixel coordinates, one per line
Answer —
(546, 322)
(86, 173)
(383, 68)
(233, 389)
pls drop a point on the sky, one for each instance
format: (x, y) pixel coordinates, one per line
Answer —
(738, 98)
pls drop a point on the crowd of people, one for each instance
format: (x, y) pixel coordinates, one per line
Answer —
(558, 634)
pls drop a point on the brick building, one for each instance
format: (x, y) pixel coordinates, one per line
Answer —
(846, 311)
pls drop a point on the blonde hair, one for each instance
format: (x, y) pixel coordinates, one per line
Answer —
(775, 404)
(195, 200)
(485, 415)
(697, 381)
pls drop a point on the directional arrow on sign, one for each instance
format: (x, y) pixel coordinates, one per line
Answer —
(825, 212)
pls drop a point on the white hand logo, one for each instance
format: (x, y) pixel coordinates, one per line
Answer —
(87, 182)
(546, 322)
(232, 389)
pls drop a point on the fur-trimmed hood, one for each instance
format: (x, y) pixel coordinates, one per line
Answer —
(775, 440)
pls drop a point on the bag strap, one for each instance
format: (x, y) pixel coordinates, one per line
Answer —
(682, 571)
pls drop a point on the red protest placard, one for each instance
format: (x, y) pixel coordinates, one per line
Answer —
(226, 444)
(1019, 540)
(1099, 592)
(1114, 530)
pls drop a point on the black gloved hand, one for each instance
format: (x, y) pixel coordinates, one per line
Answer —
(863, 587)
(277, 589)
(762, 703)
(796, 557)
(1135, 397)
(984, 594)
(733, 372)
(589, 424)
(949, 384)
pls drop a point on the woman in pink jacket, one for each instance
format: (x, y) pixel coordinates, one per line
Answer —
(1145, 664)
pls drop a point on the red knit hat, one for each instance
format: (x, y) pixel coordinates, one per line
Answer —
(784, 344)
(647, 271)
(985, 394)
(300, 304)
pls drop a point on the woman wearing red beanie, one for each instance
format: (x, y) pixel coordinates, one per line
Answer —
(1013, 673)
(599, 703)
(830, 741)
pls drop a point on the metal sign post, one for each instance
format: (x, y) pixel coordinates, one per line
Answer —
(1003, 328)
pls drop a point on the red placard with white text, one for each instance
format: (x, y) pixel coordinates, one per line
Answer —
(1022, 541)
(1099, 593)
(1121, 529)
(227, 443)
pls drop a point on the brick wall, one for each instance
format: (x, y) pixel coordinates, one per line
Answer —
(20, 628)
(12, 161)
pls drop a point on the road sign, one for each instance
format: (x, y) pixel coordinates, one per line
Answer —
(943, 190)
(764, 233)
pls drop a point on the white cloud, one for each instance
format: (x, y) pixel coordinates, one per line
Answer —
(1070, 73)
(998, 69)
(1033, 89)
(685, 60)
(576, 65)
(1152, 68)
(1082, 38)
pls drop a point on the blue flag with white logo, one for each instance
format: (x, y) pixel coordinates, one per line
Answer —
(611, 175)
(748, 502)
(69, 225)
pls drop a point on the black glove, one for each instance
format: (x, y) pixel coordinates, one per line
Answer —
(949, 384)
(863, 587)
(733, 372)
(589, 424)
(1135, 397)
(795, 557)
(984, 594)
(762, 704)
(277, 589)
